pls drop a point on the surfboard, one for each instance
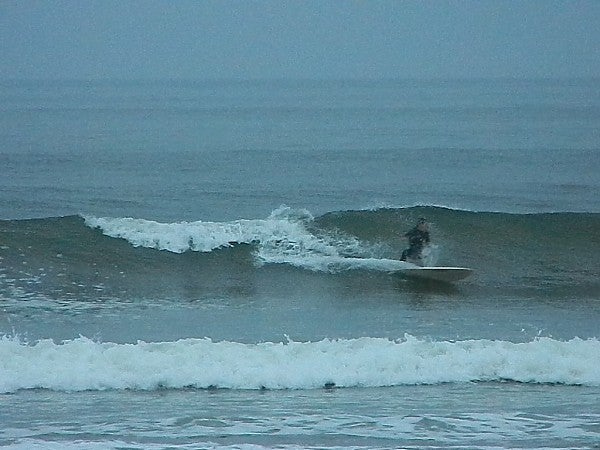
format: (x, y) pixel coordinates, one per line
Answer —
(447, 274)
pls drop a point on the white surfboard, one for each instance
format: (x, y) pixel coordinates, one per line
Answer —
(447, 274)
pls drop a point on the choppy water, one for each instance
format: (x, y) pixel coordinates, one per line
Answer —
(214, 265)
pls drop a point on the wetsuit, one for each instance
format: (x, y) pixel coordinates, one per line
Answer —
(417, 240)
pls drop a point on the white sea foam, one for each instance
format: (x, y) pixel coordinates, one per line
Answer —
(83, 364)
(282, 238)
(196, 236)
(283, 225)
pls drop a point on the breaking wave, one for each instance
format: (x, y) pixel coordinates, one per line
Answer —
(555, 252)
(83, 364)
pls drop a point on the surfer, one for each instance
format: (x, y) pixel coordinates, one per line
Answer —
(418, 238)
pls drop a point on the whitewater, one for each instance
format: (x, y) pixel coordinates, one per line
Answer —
(82, 364)
(282, 238)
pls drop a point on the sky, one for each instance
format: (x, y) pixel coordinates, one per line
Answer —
(310, 39)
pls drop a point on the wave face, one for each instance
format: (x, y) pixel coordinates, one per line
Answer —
(66, 256)
(552, 249)
(82, 364)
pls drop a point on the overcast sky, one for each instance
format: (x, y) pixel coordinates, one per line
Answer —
(123, 39)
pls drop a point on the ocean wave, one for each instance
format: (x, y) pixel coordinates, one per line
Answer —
(540, 250)
(84, 364)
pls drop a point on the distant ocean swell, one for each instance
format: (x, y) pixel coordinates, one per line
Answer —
(83, 364)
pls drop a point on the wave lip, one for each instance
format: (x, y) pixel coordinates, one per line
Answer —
(282, 238)
(203, 236)
(178, 237)
(83, 364)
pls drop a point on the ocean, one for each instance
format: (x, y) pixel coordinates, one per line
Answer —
(214, 264)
